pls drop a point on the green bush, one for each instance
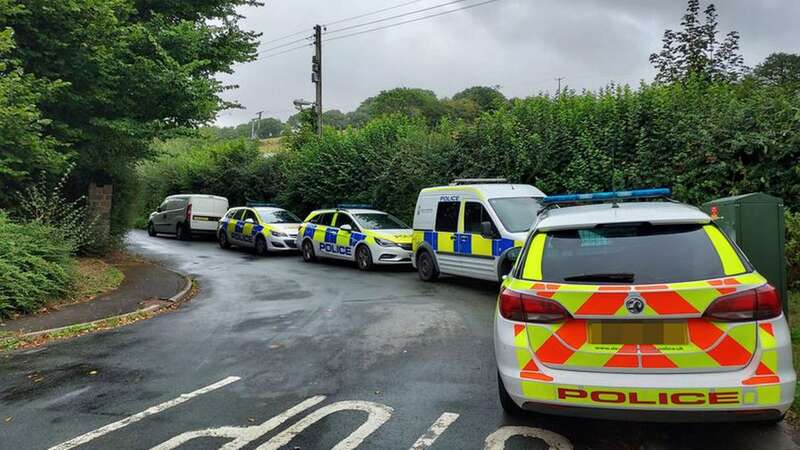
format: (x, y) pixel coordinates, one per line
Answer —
(793, 249)
(35, 266)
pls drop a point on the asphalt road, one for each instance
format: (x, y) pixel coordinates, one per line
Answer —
(386, 355)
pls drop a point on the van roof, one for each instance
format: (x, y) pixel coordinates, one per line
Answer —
(585, 216)
(198, 195)
(488, 190)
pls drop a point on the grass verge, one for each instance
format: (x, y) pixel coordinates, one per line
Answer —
(794, 326)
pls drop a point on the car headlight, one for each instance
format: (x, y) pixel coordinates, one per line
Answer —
(385, 243)
(278, 234)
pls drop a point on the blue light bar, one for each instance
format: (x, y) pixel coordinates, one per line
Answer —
(605, 196)
(353, 206)
(262, 205)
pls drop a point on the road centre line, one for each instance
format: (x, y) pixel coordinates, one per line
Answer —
(433, 433)
(183, 398)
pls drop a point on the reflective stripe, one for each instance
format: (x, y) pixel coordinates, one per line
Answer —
(533, 264)
(731, 263)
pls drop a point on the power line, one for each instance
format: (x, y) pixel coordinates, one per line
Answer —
(348, 19)
(372, 13)
(397, 16)
(430, 16)
(299, 47)
(266, 50)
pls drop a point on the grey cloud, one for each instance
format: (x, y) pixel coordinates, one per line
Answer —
(521, 45)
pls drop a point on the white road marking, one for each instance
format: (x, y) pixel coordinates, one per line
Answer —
(84, 438)
(378, 415)
(554, 441)
(433, 433)
(241, 435)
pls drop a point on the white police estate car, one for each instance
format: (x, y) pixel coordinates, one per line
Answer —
(355, 233)
(639, 310)
(264, 227)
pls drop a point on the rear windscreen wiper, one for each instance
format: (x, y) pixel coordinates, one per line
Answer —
(603, 277)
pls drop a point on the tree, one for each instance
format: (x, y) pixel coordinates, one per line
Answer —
(132, 70)
(486, 98)
(336, 119)
(411, 102)
(24, 148)
(695, 51)
(779, 69)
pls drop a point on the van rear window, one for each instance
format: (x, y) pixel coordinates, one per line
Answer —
(635, 254)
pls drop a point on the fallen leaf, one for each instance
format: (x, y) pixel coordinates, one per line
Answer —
(9, 419)
(94, 372)
(251, 420)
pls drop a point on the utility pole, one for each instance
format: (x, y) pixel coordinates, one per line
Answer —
(258, 125)
(559, 84)
(316, 75)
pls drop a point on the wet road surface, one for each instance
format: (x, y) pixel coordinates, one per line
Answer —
(276, 353)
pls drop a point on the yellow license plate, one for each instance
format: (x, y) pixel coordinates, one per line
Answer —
(641, 332)
(200, 218)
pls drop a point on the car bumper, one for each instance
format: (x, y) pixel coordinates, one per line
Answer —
(705, 396)
(390, 255)
(287, 244)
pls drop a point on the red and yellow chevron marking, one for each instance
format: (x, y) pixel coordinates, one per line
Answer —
(767, 370)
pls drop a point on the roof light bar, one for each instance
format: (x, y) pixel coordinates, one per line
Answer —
(605, 196)
(262, 205)
(354, 206)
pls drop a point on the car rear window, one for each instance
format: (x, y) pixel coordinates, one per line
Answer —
(633, 254)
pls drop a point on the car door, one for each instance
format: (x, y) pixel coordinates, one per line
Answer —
(235, 226)
(446, 231)
(325, 235)
(249, 227)
(346, 240)
(478, 252)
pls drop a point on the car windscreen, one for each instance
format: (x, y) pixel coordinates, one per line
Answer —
(516, 213)
(277, 216)
(633, 254)
(378, 221)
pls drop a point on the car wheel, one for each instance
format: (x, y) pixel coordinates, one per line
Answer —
(308, 252)
(426, 267)
(151, 229)
(223, 240)
(261, 246)
(183, 232)
(364, 258)
(505, 400)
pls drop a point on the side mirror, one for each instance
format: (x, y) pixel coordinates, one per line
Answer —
(513, 254)
(159, 209)
(346, 227)
(487, 230)
(249, 220)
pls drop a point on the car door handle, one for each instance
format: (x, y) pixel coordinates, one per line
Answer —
(453, 237)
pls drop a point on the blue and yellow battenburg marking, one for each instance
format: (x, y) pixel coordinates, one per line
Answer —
(464, 243)
(333, 240)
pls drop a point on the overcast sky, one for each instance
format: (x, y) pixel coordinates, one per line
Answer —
(520, 45)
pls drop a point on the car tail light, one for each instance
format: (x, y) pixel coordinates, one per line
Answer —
(755, 304)
(530, 308)
(189, 213)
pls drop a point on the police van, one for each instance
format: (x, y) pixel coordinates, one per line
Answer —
(264, 227)
(355, 233)
(472, 228)
(639, 309)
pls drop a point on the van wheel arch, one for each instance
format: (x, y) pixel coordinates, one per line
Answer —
(423, 272)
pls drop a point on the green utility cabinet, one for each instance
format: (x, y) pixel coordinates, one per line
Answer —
(756, 223)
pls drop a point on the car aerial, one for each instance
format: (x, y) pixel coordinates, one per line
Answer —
(472, 228)
(264, 227)
(187, 215)
(355, 233)
(639, 310)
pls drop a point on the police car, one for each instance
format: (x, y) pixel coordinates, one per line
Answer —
(639, 310)
(355, 233)
(264, 227)
(472, 228)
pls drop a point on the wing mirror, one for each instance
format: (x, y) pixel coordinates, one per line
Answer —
(159, 209)
(346, 227)
(487, 230)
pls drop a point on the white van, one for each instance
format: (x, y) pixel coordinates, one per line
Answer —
(473, 228)
(188, 214)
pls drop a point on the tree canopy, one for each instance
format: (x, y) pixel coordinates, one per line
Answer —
(780, 69)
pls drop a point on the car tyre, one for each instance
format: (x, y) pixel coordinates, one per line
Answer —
(506, 402)
(364, 258)
(426, 267)
(262, 249)
(183, 232)
(224, 243)
(308, 252)
(151, 229)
